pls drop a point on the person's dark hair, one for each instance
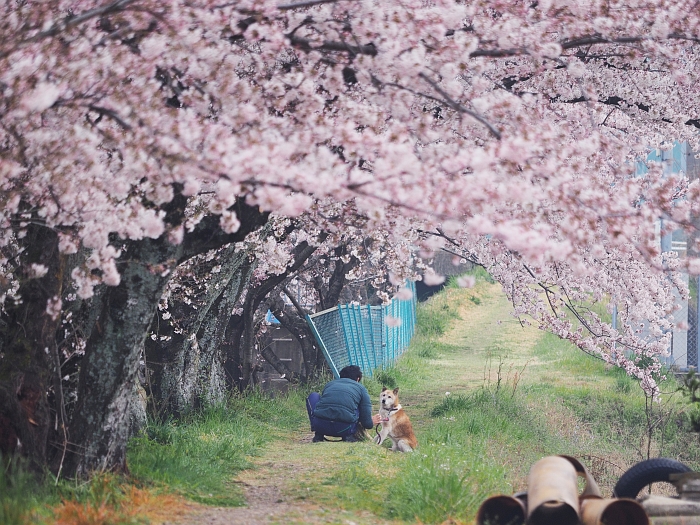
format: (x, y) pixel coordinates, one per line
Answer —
(351, 372)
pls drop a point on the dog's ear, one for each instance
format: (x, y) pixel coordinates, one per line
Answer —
(383, 388)
(396, 391)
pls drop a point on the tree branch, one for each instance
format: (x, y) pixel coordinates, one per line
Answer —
(111, 114)
(307, 45)
(70, 21)
(459, 107)
(583, 41)
(309, 3)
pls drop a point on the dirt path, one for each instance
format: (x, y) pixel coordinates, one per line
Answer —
(275, 489)
(278, 489)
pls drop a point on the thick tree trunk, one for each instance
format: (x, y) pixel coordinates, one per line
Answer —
(231, 346)
(248, 349)
(28, 334)
(162, 354)
(138, 415)
(187, 368)
(99, 428)
(213, 330)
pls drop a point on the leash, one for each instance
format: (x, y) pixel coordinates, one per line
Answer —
(384, 419)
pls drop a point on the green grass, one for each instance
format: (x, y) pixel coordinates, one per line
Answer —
(435, 316)
(405, 374)
(482, 442)
(435, 321)
(608, 418)
(478, 272)
(514, 397)
(104, 500)
(196, 457)
(443, 481)
(20, 493)
(465, 455)
(199, 456)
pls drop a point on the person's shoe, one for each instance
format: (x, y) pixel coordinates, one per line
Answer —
(350, 439)
(318, 438)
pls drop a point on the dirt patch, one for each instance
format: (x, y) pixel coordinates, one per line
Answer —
(275, 490)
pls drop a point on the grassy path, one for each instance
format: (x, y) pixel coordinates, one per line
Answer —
(293, 481)
(483, 331)
(487, 398)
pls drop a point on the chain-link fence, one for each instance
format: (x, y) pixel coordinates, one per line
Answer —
(693, 327)
(370, 337)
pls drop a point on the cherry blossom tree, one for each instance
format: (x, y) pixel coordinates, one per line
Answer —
(139, 134)
(184, 357)
(216, 300)
(352, 265)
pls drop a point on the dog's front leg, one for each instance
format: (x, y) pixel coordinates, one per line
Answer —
(382, 435)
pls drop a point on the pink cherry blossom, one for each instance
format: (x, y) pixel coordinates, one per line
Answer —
(507, 132)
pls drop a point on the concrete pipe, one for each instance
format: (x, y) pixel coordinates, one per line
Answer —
(675, 520)
(502, 510)
(597, 511)
(663, 506)
(552, 492)
(591, 488)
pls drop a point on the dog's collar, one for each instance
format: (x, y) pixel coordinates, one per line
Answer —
(396, 408)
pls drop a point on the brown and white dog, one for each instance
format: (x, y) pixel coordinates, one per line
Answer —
(395, 422)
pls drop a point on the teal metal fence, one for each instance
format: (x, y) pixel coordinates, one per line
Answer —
(364, 335)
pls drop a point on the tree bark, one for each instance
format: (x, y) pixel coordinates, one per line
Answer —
(28, 335)
(99, 427)
(187, 368)
(162, 353)
(213, 330)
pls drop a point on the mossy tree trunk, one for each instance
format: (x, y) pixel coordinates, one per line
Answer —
(187, 368)
(98, 431)
(28, 336)
(212, 331)
(99, 428)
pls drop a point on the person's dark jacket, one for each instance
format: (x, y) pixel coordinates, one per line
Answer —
(340, 400)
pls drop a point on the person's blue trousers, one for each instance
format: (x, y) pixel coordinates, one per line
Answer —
(325, 427)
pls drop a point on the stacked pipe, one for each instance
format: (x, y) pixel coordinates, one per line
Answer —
(553, 498)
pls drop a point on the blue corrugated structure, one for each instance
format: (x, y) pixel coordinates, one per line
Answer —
(360, 335)
(685, 343)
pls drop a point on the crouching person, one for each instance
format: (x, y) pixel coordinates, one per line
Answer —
(343, 409)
